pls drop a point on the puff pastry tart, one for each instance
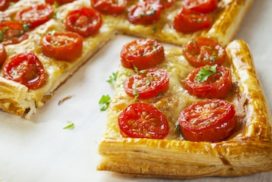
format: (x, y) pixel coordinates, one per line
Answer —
(196, 111)
(42, 45)
(46, 41)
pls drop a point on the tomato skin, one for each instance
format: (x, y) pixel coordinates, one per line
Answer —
(68, 45)
(50, 1)
(3, 54)
(140, 13)
(142, 54)
(82, 21)
(141, 120)
(150, 83)
(26, 69)
(208, 120)
(109, 6)
(35, 15)
(217, 85)
(4, 4)
(201, 6)
(204, 51)
(188, 21)
(13, 32)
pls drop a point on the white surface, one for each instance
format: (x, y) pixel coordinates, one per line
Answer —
(42, 151)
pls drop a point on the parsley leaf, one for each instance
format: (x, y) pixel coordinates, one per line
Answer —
(104, 102)
(136, 70)
(112, 78)
(205, 72)
(1, 36)
(26, 27)
(177, 129)
(69, 126)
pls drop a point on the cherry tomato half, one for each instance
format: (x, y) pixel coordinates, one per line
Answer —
(110, 6)
(201, 6)
(35, 15)
(204, 51)
(84, 21)
(216, 85)
(141, 120)
(3, 54)
(26, 69)
(144, 13)
(65, 46)
(208, 120)
(12, 32)
(142, 54)
(188, 21)
(148, 83)
(4, 4)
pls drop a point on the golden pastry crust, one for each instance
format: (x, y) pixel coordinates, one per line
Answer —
(247, 151)
(227, 20)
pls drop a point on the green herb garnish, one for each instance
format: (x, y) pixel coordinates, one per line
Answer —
(177, 129)
(26, 27)
(112, 78)
(104, 102)
(154, 29)
(1, 36)
(205, 72)
(69, 126)
(136, 70)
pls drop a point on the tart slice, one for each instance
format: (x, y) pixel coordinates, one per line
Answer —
(52, 51)
(185, 131)
(176, 21)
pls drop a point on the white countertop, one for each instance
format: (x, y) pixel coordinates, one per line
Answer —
(42, 151)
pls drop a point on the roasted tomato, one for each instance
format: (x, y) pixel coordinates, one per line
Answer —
(208, 120)
(65, 46)
(3, 54)
(209, 82)
(144, 13)
(26, 69)
(110, 6)
(35, 15)
(50, 1)
(4, 4)
(201, 6)
(188, 21)
(163, 3)
(84, 21)
(12, 32)
(141, 120)
(147, 83)
(204, 51)
(142, 54)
